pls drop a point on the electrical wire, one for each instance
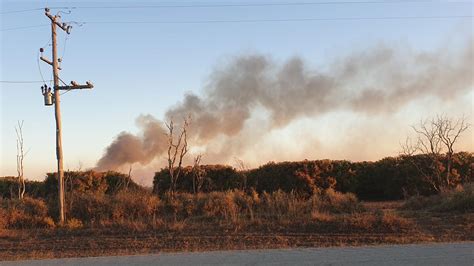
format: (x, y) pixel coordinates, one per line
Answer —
(275, 20)
(63, 12)
(65, 92)
(226, 5)
(64, 47)
(62, 81)
(195, 5)
(39, 68)
(38, 62)
(25, 27)
(64, 85)
(31, 9)
(262, 20)
(20, 11)
(62, 59)
(22, 81)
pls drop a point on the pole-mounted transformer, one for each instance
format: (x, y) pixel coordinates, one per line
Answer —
(48, 95)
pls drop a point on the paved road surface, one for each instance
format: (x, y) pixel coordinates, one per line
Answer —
(431, 254)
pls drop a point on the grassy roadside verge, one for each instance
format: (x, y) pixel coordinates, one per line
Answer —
(424, 227)
(130, 223)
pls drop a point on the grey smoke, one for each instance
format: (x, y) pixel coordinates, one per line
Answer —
(128, 148)
(375, 82)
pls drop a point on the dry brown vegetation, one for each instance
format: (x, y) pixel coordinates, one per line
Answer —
(131, 222)
(139, 210)
(460, 200)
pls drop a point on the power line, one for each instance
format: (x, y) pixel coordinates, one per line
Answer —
(22, 81)
(64, 47)
(30, 10)
(260, 20)
(227, 5)
(275, 20)
(38, 63)
(25, 27)
(20, 11)
(306, 3)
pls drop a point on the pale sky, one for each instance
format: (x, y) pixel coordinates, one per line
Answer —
(147, 68)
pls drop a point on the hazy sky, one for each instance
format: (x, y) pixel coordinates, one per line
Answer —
(148, 68)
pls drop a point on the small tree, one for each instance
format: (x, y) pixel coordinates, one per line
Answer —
(449, 131)
(20, 156)
(198, 174)
(435, 137)
(243, 169)
(177, 149)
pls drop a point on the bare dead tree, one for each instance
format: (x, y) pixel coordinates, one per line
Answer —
(433, 138)
(242, 167)
(408, 148)
(129, 175)
(69, 181)
(177, 149)
(20, 156)
(198, 174)
(449, 131)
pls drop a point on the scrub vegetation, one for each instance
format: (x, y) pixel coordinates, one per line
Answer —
(307, 203)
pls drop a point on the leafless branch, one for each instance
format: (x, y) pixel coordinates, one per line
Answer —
(177, 149)
(20, 156)
(433, 137)
(198, 174)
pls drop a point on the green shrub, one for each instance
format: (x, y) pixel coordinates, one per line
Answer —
(456, 200)
(461, 200)
(9, 188)
(90, 182)
(305, 178)
(421, 202)
(215, 178)
(90, 208)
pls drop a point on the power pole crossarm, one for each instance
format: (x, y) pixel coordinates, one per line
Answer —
(54, 19)
(46, 60)
(57, 103)
(75, 86)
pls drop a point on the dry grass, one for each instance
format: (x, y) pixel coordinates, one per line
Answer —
(460, 199)
(132, 223)
(235, 209)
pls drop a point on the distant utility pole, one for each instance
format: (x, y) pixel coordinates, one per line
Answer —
(49, 99)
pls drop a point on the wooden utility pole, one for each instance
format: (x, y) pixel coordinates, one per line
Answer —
(55, 22)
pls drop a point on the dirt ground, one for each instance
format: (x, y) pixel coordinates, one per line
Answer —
(58, 243)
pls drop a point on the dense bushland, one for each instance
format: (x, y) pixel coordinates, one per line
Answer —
(387, 179)
(79, 181)
(215, 178)
(9, 187)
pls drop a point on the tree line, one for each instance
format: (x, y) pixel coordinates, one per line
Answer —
(386, 179)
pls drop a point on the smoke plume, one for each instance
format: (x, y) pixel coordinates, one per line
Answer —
(377, 81)
(128, 148)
